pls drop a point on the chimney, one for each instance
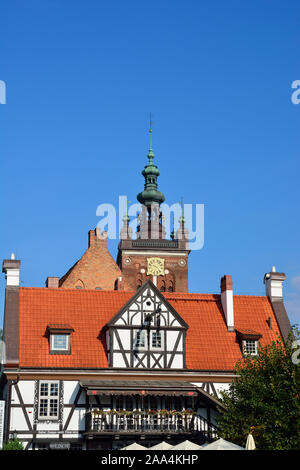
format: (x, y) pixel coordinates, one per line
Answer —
(52, 282)
(227, 301)
(119, 284)
(11, 268)
(97, 238)
(273, 281)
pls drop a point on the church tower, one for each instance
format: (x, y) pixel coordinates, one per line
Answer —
(151, 255)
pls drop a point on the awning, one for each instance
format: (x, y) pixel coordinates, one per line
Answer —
(142, 388)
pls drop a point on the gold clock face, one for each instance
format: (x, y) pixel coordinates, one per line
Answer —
(156, 266)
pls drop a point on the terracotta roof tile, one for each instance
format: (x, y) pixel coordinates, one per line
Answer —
(209, 346)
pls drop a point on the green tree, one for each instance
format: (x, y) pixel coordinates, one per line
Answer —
(13, 444)
(265, 398)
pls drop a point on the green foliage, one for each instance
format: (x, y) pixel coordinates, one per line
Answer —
(13, 444)
(265, 399)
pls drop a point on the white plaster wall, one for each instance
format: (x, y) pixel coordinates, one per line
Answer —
(171, 340)
(47, 426)
(26, 388)
(118, 360)
(17, 420)
(71, 388)
(14, 397)
(177, 361)
(77, 421)
(125, 339)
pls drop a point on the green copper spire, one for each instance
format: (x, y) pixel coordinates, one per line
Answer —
(181, 218)
(150, 195)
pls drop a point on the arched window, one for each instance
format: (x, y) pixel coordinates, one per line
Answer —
(79, 284)
(171, 287)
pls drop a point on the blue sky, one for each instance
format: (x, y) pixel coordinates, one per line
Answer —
(81, 79)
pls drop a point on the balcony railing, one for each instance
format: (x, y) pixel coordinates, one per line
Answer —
(107, 422)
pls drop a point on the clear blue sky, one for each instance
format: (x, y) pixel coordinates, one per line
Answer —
(81, 79)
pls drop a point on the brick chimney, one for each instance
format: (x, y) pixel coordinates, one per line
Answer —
(119, 283)
(97, 238)
(52, 282)
(227, 301)
(273, 282)
(11, 268)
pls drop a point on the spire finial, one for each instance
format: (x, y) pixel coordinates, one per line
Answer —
(182, 218)
(150, 131)
(150, 172)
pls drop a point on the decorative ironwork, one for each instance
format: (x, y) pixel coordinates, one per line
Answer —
(102, 422)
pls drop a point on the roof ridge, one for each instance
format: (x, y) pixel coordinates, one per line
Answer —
(168, 295)
(67, 289)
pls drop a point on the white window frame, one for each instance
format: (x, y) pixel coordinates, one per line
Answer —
(55, 349)
(145, 347)
(48, 398)
(245, 341)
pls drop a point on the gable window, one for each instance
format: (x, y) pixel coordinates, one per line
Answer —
(59, 338)
(156, 339)
(140, 339)
(48, 406)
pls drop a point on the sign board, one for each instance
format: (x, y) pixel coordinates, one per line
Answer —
(2, 412)
(59, 445)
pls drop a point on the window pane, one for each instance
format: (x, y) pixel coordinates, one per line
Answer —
(156, 340)
(53, 407)
(43, 407)
(60, 342)
(53, 389)
(250, 347)
(140, 339)
(44, 389)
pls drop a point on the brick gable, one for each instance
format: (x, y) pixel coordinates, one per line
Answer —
(95, 269)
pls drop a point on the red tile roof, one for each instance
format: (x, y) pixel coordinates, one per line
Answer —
(209, 346)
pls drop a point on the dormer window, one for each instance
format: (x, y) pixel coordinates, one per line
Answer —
(250, 347)
(147, 333)
(60, 342)
(59, 338)
(248, 340)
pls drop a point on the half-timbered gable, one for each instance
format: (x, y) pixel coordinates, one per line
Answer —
(147, 333)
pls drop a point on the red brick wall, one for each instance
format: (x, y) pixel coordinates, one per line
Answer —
(96, 268)
(178, 275)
